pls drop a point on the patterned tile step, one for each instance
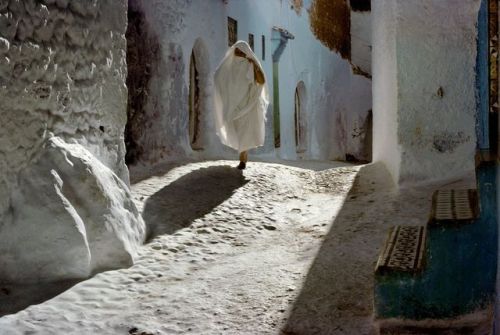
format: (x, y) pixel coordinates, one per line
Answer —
(455, 205)
(403, 250)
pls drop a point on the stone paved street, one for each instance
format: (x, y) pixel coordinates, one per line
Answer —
(273, 249)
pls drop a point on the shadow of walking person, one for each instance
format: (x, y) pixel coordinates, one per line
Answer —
(190, 197)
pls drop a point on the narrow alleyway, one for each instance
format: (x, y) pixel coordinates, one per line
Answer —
(274, 249)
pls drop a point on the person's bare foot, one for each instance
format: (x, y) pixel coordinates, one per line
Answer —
(242, 166)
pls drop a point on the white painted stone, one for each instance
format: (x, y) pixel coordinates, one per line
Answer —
(70, 216)
(424, 56)
(385, 92)
(62, 71)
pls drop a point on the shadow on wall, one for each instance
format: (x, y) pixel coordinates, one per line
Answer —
(15, 298)
(143, 55)
(190, 197)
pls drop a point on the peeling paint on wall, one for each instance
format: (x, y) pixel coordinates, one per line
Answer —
(331, 24)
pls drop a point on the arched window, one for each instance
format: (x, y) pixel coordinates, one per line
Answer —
(300, 118)
(199, 73)
(297, 119)
(194, 104)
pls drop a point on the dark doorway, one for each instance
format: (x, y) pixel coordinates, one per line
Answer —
(194, 104)
(300, 118)
(143, 56)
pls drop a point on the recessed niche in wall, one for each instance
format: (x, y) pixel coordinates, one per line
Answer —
(300, 117)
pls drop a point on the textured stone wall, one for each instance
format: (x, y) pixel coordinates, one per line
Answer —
(143, 58)
(62, 73)
(436, 59)
(62, 70)
(158, 115)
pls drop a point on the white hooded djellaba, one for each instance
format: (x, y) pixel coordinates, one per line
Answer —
(240, 100)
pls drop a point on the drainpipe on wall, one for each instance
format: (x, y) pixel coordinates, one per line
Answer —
(279, 39)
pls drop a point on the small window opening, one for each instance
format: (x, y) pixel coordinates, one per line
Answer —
(263, 47)
(251, 41)
(232, 29)
(300, 124)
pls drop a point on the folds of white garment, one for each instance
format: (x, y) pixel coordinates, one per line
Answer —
(240, 102)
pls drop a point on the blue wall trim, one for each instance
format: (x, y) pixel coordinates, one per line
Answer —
(461, 267)
(482, 78)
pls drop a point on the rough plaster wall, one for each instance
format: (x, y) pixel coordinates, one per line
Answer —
(62, 71)
(179, 25)
(385, 92)
(424, 86)
(143, 57)
(436, 57)
(353, 122)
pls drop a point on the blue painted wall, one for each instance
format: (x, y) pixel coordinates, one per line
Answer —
(460, 271)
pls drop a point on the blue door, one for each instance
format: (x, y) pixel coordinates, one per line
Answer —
(482, 78)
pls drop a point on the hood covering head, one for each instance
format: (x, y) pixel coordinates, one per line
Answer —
(241, 100)
(245, 48)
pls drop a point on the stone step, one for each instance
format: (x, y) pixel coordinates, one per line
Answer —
(454, 205)
(403, 251)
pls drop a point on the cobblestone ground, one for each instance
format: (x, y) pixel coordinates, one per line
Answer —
(271, 250)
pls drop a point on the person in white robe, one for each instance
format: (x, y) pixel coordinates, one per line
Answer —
(241, 100)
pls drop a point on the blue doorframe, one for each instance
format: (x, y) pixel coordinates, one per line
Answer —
(482, 78)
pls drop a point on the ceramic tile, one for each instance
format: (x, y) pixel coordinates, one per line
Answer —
(461, 204)
(403, 250)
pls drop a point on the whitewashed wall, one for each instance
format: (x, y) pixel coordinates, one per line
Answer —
(337, 100)
(361, 40)
(60, 74)
(386, 146)
(424, 87)
(62, 118)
